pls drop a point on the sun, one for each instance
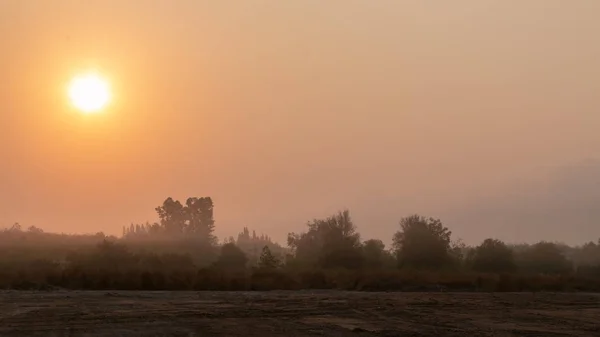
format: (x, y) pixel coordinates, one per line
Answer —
(89, 93)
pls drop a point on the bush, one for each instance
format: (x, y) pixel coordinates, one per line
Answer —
(544, 258)
(269, 279)
(492, 256)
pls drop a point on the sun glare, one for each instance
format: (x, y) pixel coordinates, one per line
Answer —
(89, 93)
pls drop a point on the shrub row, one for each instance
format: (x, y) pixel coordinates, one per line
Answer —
(258, 279)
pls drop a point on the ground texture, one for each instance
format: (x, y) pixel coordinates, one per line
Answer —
(301, 313)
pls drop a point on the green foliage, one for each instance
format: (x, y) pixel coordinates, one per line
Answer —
(492, 256)
(422, 243)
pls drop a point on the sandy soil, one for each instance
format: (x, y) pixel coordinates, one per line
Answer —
(303, 313)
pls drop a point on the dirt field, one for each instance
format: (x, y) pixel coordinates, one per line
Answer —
(304, 313)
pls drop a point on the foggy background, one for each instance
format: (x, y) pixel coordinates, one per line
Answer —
(481, 113)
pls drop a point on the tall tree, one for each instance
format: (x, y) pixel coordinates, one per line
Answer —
(492, 256)
(329, 243)
(199, 216)
(422, 243)
(194, 219)
(172, 216)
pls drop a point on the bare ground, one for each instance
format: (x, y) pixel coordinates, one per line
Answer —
(300, 313)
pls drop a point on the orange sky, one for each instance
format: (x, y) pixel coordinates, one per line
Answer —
(287, 110)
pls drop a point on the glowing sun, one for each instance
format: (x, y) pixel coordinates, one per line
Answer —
(89, 93)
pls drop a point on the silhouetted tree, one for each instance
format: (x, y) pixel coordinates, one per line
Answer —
(544, 257)
(252, 245)
(492, 256)
(231, 257)
(33, 259)
(198, 213)
(194, 219)
(329, 243)
(422, 243)
(172, 216)
(458, 253)
(587, 255)
(375, 255)
(268, 260)
(587, 259)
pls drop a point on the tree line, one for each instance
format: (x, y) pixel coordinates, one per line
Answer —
(180, 251)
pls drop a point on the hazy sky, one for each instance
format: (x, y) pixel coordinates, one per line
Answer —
(482, 113)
